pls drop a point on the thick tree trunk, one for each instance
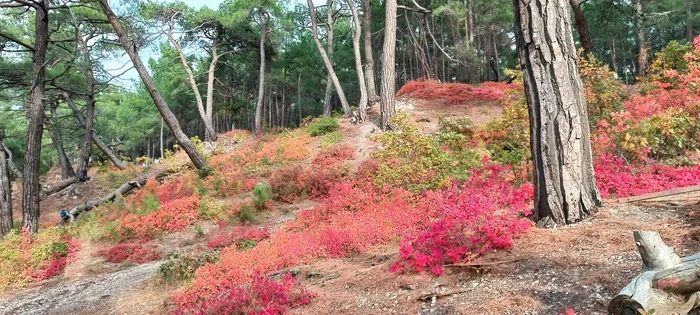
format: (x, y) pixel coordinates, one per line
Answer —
(388, 66)
(369, 53)
(668, 284)
(299, 95)
(327, 61)
(63, 160)
(30, 183)
(90, 111)
(643, 55)
(162, 150)
(93, 134)
(261, 80)
(5, 190)
(165, 112)
(327, 105)
(209, 134)
(210, 88)
(357, 32)
(582, 27)
(565, 187)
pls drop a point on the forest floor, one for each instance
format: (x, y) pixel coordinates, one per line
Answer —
(581, 266)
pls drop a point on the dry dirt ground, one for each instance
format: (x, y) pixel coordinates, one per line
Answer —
(581, 266)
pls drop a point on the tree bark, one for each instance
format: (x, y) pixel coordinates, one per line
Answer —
(95, 137)
(668, 284)
(30, 183)
(388, 66)
(565, 186)
(165, 112)
(57, 140)
(327, 105)
(210, 88)
(11, 165)
(689, 21)
(137, 182)
(369, 53)
(643, 56)
(209, 134)
(582, 27)
(90, 111)
(357, 32)
(261, 83)
(5, 190)
(327, 61)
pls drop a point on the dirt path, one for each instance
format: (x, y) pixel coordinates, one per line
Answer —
(77, 296)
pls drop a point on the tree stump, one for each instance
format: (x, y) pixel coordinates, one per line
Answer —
(668, 284)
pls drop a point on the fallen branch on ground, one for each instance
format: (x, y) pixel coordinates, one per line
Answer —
(667, 284)
(488, 263)
(429, 296)
(671, 192)
(59, 187)
(122, 190)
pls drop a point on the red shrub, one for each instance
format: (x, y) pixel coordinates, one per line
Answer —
(456, 93)
(54, 266)
(262, 296)
(477, 216)
(173, 216)
(295, 183)
(173, 189)
(135, 252)
(238, 234)
(334, 155)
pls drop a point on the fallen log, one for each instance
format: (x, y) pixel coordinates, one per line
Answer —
(122, 190)
(59, 187)
(668, 284)
(665, 193)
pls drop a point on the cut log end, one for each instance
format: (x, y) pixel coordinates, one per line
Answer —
(624, 305)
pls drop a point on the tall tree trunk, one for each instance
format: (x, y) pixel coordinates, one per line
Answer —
(162, 150)
(689, 21)
(57, 140)
(327, 105)
(327, 61)
(283, 111)
(299, 95)
(261, 82)
(5, 190)
(209, 134)
(388, 67)
(30, 183)
(165, 112)
(582, 27)
(90, 110)
(369, 53)
(95, 138)
(210, 86)
(565, 185)
(643, 56)
(357, 32)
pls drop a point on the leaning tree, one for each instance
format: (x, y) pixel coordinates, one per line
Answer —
(565, 186)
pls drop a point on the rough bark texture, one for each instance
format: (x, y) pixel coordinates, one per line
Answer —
(667, 284)
(93, 134)
(165, 112)
(388, 107)
(122, 190)
(5, 190)
(327, 61)
(210, 134)
(261, 80)
(643, 55)
(35, 128)
(57, 141)
(210, 89)
(90, 112)
(689, 21)
(369, 53)
(565, 187)
(357, 32)
(582, 27)
(327, 105)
